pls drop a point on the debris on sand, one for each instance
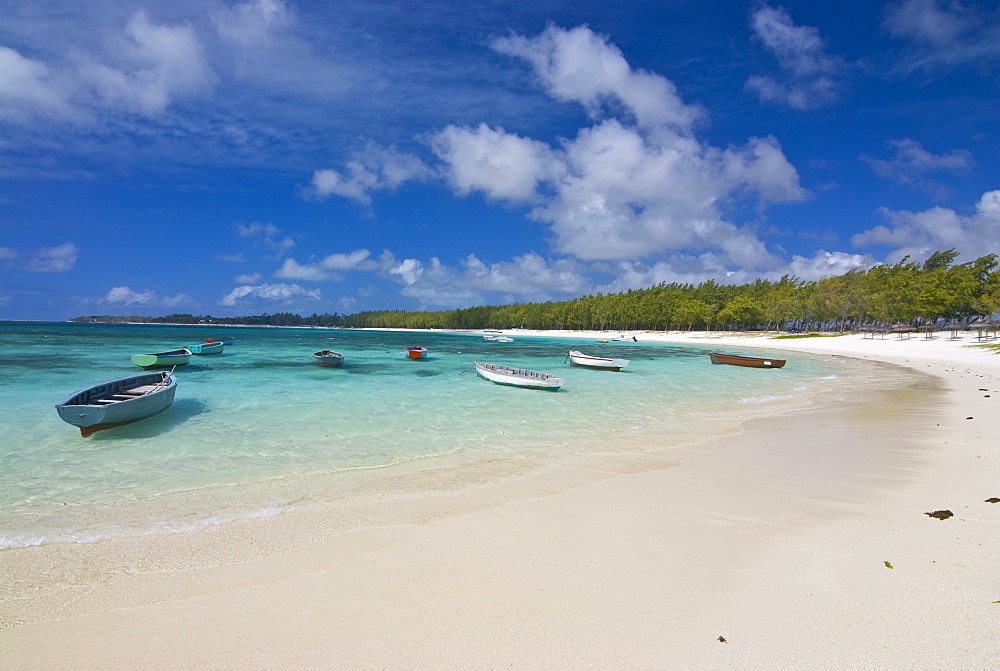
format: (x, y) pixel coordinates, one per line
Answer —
(940, 514)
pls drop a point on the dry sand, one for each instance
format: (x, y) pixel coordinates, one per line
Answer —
(800, 542)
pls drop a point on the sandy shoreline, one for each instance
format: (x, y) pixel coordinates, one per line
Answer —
(776, 539)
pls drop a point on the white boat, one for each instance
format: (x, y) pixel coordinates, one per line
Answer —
(517, 377)
(328, 358)
(598, 362)
(498, 338)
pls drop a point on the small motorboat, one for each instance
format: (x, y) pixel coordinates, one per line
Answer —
(328, 358)
(175, 357)
(600, 363)
(118, 402)
(415, 351)
(517, 377)
(748, 361)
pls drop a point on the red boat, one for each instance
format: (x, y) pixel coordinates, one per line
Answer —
(748, 361)
(415, 351)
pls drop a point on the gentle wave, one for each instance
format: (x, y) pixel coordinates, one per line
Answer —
(159, 527)
(768, 398)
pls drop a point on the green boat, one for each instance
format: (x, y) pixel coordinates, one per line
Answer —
(176, 357)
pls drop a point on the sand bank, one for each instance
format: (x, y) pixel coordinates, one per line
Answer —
(801, 542)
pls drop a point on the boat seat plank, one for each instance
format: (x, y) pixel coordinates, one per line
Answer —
(140, 390)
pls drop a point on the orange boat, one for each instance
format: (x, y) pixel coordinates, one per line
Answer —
(415, 351)
(748, 361)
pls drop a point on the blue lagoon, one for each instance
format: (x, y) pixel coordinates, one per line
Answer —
(259, 430)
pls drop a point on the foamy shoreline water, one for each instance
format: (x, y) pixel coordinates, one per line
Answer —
(777, 548)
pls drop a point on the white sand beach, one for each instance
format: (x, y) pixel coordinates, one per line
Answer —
(801, 541)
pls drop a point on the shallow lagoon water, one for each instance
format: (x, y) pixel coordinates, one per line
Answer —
(262, 412)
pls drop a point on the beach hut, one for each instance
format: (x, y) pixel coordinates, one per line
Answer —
(901, 328)
(984, 326)
(954, 326)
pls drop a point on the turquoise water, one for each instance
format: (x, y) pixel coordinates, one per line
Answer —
(263, 412)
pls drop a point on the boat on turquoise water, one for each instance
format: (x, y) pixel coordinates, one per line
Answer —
(415, 351)
(498, 338)
(224, 341)
(747, 361)
(118, 402)
(205, 349)
(517, 377)
(328, 358)
(175, 357)
(597, 362)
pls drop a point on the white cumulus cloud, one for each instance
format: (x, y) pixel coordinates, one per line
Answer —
(29, 88)
(267, 236)
(501, 165)
(374, 169)
(912, 163)
(269, 292)
(248, 278)
(920, 234)
(810, 77)
(329, 268)
(624, 188)
(54, 259)
(581, 66)
(527, 277)
(126, 296)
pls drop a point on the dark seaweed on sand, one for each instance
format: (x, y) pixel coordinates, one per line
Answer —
(940, 514)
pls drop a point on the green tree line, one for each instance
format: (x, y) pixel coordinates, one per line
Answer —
(907, 292)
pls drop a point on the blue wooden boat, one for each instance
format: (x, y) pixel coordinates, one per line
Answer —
(204, 349)
(118, 402)
(175, 357)
(328, 358)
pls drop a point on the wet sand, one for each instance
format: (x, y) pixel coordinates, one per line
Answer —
(769, 547)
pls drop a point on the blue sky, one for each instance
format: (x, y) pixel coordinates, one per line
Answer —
(233, 158)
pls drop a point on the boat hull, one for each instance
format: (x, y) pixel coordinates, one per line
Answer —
(517, 377)
(179, 357)
(109, 404)
(328, 359)
(415, 352)
(596, 362)
(746, 361)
